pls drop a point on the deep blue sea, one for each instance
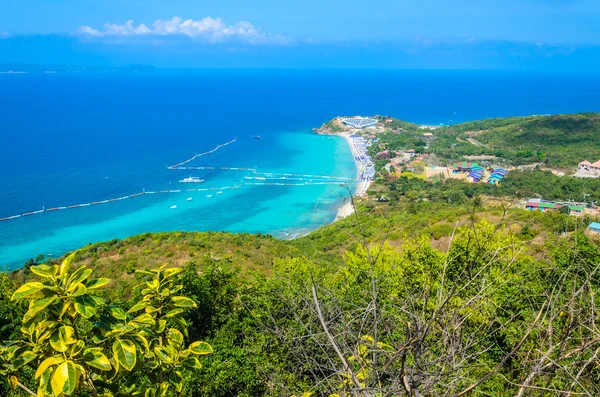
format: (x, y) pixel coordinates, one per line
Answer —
(76, 138)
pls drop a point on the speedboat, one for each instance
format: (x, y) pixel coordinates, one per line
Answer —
(173, 207)
(189, 199)
(191, 179)
(219, 192)
(257, 137)
(209, 195)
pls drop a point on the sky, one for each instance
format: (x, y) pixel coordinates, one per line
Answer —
(543, 35)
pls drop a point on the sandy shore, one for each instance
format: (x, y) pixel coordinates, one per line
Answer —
(361, 188)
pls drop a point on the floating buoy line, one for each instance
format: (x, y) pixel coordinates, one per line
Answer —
(202, 154)
(142, 193)
(264, 179)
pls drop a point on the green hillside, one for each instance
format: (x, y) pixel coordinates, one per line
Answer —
(557, 141)
(560, 141)
(413, 281)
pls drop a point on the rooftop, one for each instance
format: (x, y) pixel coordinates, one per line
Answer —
(360, 122)
(595, 225)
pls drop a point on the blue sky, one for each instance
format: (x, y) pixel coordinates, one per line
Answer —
(480, 34)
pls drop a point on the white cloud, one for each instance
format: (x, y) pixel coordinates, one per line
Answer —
(208, 29)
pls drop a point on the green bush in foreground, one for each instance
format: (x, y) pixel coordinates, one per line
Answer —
(138, 352)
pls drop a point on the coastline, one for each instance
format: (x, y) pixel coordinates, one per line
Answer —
(362, 185)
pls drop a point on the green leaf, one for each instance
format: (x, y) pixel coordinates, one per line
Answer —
(23, 359)
(176, 380)
(66, 264)
(77, 348)
(200, 348)
(78, 276)
(97, 283)
(192, 362)
(44, 271)
(95, 358)
(77, 290)
(145, 319)
(173, 313)
(161, 326)
(64, 379)
(29, 290)
(86, 306)
(117, 313)
(36, 306)
(173, 271)
(141, 340)
(175, 337)
(13, 382)
(62, 338)
(163, 354)
(125, 353)
(182, 301)
(138, 306)
(46, 364)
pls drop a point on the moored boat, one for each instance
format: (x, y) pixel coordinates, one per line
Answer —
(191, 179)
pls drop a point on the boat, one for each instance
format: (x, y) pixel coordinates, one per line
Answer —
(173, 207)
(257, 137)
(191, 179)
(219, 192)
(189, 199)
(209, 195)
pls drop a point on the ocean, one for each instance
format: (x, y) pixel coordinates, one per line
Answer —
(83, 137)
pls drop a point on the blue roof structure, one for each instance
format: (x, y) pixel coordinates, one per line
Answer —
(360, 122)
(595, 226)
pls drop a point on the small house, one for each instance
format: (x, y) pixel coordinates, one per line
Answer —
(594, 227)
(576, 210)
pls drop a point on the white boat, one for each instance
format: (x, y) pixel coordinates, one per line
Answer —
(191, 179)
(219, 192)
(209, 195)
(173, 207)
(189, 199)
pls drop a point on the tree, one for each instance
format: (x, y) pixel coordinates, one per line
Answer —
(141, 351)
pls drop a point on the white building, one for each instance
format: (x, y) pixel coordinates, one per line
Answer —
(589, 168)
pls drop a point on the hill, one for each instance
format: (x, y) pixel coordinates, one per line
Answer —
(558, 141)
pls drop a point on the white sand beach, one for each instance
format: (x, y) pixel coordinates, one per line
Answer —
(363, 175)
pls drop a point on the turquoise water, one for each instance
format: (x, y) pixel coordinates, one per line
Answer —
(76, 138)
(284, 212)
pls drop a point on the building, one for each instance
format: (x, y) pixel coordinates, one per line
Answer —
(463, 167)
(576, 210)
(475, 174)
(360, 122)
(594, 227)
(428, 135)
(592, 168)
(410, 152)
(497, 175)
(537, 204)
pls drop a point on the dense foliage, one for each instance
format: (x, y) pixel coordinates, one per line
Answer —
(138, 352)
(555, 141)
